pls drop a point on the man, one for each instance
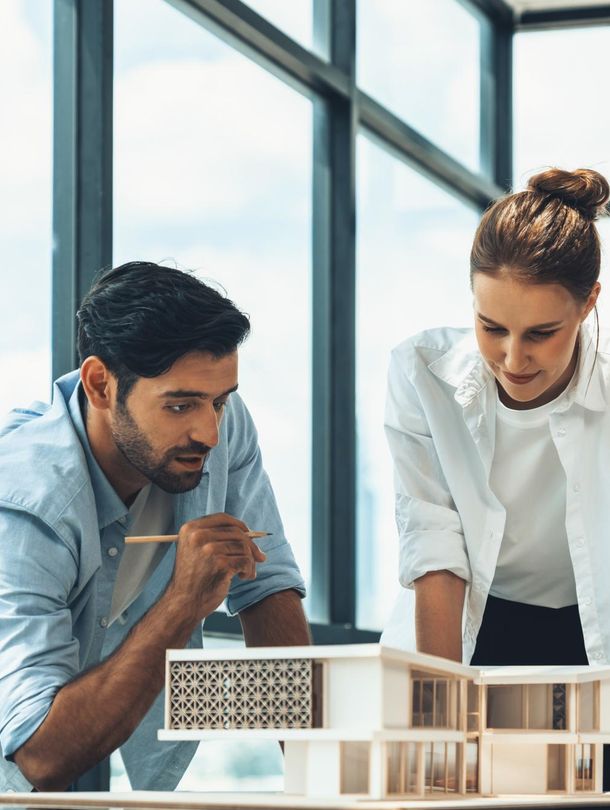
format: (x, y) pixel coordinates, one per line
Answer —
(148, 438)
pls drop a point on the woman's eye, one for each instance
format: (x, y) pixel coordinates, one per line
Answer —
(542, 335)
(494, 329)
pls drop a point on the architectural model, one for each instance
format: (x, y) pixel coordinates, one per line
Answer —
(369, 721)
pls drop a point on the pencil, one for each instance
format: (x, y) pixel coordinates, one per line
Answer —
(171, 538)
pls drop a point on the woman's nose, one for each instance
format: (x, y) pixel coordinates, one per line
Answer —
(516, 359)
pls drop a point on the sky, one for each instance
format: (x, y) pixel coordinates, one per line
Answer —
(212, 172)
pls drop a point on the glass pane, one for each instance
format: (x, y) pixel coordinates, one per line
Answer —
(25, 178)
(413, 246)
(213, 173)
(505, 707)
(355, 757)
(294, 18)
(421, 60)
(560, 119)
(472, 767)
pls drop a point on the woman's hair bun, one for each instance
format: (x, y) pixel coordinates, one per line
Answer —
(583, 189)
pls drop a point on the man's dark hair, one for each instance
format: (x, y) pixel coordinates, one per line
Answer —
(140, 318)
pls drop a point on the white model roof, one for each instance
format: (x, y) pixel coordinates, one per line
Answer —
(485, 675)
(336, 651)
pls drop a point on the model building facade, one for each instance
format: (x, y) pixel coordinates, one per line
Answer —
(371, 721)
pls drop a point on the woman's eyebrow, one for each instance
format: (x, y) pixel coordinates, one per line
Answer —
(547, 325)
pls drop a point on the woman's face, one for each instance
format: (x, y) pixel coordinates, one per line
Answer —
(527, 335)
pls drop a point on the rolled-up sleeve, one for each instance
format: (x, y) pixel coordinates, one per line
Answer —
(250, 497)
(38, 653)
(429, 527)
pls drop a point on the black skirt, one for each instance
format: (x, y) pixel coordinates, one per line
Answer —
(516, 634)
(513, 633)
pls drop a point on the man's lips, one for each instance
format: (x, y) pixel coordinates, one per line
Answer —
(191, 462)
(519, 379)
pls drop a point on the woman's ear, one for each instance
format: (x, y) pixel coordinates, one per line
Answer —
(592, 300)
(97, 382)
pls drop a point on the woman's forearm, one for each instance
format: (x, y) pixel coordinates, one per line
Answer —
(439, 602)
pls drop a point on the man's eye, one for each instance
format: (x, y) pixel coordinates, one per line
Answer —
(179, 408)
(218, 406)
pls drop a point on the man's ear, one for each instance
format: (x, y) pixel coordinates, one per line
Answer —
(98, 382)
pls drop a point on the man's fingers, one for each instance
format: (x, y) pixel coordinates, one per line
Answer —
(218, 520)
(257, 553)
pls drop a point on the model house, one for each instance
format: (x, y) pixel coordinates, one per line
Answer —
(372, 721)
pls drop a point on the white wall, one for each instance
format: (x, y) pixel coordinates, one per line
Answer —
(354, 693)
(518, 769)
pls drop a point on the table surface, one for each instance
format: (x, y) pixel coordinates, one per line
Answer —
(151, 800)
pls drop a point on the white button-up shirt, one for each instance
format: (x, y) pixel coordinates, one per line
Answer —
(440, 423)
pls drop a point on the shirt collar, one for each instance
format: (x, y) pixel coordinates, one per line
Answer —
(463, 368)
(110, 507)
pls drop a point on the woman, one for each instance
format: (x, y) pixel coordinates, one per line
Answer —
(501, 443)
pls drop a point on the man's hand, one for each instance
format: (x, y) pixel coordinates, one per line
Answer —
(210, 552)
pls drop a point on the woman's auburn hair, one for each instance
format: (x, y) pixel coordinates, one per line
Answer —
(545, 234)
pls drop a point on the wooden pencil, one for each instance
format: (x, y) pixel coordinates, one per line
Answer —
(171, 538)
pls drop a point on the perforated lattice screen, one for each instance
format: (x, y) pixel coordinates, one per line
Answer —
(241, 694)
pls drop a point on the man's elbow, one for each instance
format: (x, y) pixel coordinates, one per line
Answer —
(42, 772)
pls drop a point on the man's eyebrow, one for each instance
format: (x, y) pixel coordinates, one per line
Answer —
(537, 326)
(182, 393)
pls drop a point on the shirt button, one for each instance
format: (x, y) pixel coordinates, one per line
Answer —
(586, 600)
(561, 432)
(579, 542)
(598, 656)
(576, 487)
(112, 551)
(103, 622)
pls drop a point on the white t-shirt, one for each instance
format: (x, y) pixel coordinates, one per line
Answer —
(151, 513)
(534, 564)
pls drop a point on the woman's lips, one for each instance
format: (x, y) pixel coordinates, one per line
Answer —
(521, 380)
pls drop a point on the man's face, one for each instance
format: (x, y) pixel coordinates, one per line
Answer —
(169, 423)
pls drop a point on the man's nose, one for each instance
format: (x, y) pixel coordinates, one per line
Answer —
(205, 430)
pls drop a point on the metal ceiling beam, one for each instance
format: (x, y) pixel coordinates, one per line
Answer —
(563, 17)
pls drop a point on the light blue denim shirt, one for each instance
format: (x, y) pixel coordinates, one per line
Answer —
(62, 533)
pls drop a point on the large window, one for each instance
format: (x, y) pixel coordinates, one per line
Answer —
(560, 117)
(213, 174)
(413, 244)
(439, 43)
(25, 180)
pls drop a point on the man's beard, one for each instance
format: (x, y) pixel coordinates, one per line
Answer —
(138, 451)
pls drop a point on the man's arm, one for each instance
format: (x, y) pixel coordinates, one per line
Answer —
(277, 621)
(439, 602)
(97, 711)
